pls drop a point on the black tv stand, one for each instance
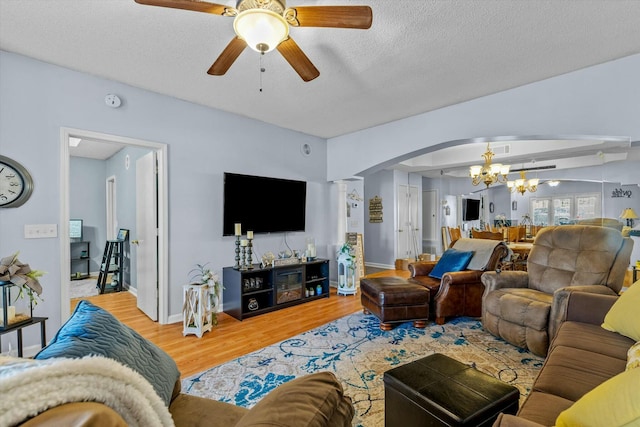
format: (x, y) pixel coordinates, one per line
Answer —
(249, 293)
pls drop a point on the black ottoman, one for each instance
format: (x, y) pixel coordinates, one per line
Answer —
(394, 300)
(440, 391)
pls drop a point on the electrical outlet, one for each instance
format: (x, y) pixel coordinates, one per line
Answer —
(40, 231)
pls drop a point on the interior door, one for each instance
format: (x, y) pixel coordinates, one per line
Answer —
(408, 236)
(147, 234)
(429, 220)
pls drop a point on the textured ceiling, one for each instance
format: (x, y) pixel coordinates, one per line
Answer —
(418, 56)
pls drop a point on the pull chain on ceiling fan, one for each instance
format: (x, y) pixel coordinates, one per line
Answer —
(263, 25)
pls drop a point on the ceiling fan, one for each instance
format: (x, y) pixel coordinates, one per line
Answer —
(264, 25)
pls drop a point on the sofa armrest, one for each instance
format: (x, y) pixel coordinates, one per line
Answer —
(589, 307)
(560, 301)
(493, 280)
(506, 420)
(77, 414)
(421, 268)
(465, 277)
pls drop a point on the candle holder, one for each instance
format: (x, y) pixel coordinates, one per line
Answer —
(237, 266)
(249, 254)
(243, 266)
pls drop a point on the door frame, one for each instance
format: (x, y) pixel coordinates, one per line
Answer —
(163, 215)
(112, 221)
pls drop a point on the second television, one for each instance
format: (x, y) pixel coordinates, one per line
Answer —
(470, 209)
(263, 204)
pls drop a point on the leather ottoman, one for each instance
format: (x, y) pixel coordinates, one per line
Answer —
(439, 391)
(395, 300)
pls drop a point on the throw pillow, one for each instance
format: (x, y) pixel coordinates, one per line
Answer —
(451, 260)
(314, 400)
(614, 403)
(93, 331)
(633, 356)
(624, 317)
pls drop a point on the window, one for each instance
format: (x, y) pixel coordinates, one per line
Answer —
(565, 209)
(540, 211)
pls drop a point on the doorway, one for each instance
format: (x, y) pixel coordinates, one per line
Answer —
(430, 220)
(162, 211)
(409, 237)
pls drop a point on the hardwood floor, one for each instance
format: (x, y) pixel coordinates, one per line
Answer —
(231, 338)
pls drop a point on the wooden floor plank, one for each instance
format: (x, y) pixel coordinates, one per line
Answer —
(231, 338)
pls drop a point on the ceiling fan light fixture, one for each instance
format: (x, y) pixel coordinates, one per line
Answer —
(262, 29)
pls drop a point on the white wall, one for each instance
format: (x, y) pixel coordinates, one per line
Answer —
(600, 100)
(37, 99)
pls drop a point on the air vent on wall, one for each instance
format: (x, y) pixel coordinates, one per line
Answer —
(501, 149)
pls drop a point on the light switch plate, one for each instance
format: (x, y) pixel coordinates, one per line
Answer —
(40, 231)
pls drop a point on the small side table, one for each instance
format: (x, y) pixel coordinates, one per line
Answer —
(196, 309)
(18, 329)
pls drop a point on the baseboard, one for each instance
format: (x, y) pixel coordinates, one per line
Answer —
(175, 318)
(27, 352)
(376, 265)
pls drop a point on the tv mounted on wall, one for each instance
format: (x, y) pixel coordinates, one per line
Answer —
(262, 204)
(470, 209)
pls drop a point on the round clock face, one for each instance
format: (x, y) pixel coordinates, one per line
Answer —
(16, 184)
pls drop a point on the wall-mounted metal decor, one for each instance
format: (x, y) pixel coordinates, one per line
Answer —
(619, 192)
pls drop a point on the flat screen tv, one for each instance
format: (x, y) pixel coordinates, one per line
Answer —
(262, 204)
(470, 209)
(75, 229)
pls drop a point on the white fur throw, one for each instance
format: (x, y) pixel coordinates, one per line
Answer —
(29, 387)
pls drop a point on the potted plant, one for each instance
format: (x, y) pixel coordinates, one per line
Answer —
(203, 275)
(17, 282)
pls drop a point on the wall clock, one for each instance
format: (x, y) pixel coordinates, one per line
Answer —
(16, 184)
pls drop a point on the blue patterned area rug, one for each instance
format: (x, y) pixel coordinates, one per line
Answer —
(358, 352)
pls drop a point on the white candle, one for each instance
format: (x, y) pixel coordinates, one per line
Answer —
(238, 229)
(250, 234)
(311, 250)
(243, 242)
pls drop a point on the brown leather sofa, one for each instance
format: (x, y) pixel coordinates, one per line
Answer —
(459, 293)
(312, 400)
(525, 307)
(582, 356)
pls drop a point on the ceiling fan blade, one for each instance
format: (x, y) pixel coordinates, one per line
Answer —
(227, 57)
(330, 16)
(195, 5)
(298, 60)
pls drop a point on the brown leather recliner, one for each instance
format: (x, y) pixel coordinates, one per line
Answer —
(459, 293)
(525, 308)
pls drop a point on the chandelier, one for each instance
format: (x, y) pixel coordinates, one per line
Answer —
(488, 173)
(522, 185)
